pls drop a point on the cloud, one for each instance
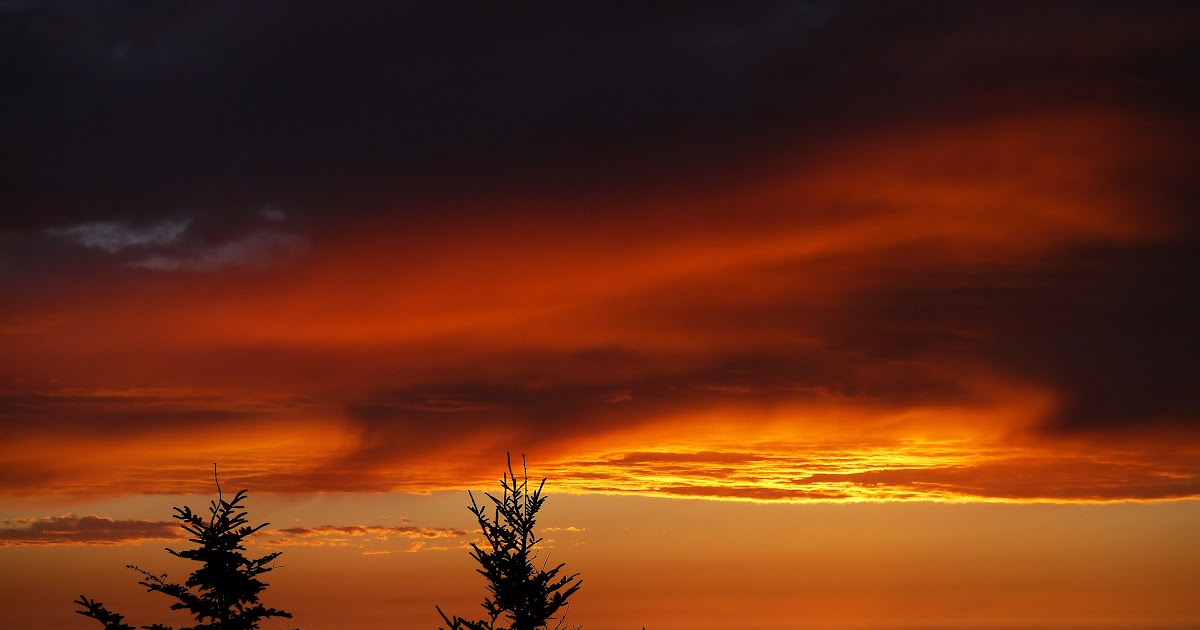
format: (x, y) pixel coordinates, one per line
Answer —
(1109, 328)
(566, 94)
(113, 237)
(257, 249)
(760, 217)
(369, 539)
(85, 530)
(897, 469)
(370, 530)
(121, 411)
(272, 213)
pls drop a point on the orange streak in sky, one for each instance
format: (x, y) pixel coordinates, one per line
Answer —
(990, 192)
(283, 352)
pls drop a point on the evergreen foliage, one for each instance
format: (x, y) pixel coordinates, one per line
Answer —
(526, 596)
(223, 593)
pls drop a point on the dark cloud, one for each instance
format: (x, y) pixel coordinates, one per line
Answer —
(127, 111)
(1111, 329)
(113, 413)
(84, 530)
(539, 402)
(1108, 330)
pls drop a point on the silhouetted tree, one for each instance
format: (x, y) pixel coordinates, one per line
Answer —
(223, 593)
(527, 596)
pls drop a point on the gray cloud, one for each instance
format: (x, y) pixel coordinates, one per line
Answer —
(114, 236)
(273, 214)
(84, 530)
(257, 249)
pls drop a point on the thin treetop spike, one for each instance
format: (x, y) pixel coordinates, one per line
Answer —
(220, 495)
(217, 480)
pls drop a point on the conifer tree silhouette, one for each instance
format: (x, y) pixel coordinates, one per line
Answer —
(223, 593)
(527, 596)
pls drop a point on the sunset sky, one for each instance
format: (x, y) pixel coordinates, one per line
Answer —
(815, 314)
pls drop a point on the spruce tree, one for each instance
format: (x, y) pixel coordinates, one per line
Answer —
(527, 597)
(223, 593)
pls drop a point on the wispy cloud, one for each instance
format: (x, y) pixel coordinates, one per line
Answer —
(257, 249)
(381, 532)
(164, 246)
(272, 213)
(371, 540)
(897, 470)
(115, 236)
(83, 530)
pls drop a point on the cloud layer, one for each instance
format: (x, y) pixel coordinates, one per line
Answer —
(818, 251)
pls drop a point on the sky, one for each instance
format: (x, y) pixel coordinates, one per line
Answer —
(814, 314)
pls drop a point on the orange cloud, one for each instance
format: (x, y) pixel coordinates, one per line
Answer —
(366, 530)
(368, 539)
(876, 280)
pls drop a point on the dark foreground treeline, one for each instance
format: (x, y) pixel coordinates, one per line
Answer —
(223, 592)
